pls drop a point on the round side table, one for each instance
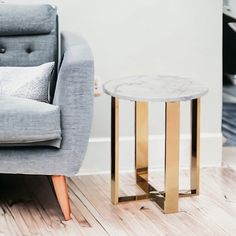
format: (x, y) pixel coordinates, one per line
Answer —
(170, 90)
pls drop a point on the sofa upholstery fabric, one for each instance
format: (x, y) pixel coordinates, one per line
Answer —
(31, 38)
(26, 19)
(24, 121)
(73, 95)
(26, 82)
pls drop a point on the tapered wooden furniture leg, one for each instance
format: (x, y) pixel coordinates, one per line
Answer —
(59, 183)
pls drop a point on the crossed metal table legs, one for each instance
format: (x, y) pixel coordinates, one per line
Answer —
(167, 200)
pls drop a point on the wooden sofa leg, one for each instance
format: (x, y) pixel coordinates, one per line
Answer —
(59, 183)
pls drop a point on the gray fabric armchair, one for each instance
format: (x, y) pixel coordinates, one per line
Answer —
(29, 37)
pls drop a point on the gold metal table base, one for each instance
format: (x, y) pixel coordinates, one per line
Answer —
(157, 196)
(167, 200)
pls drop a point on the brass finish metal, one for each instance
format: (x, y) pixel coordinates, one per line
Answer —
(114, 150)
(172, 157)
(195, 146)
(141, 145)
(167, 200)
(152, 194)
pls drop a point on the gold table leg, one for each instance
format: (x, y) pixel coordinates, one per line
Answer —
(141, 145)
(172, 157)
(114, 150)
(195, 146)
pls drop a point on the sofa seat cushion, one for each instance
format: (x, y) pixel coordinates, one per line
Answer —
(27, 122)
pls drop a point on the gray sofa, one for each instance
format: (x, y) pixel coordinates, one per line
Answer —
(29, 37)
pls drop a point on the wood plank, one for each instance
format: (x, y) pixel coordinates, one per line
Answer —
(29, 207)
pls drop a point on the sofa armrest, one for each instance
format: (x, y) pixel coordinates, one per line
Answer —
(74, 96)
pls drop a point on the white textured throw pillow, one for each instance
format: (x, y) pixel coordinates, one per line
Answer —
(26, 82)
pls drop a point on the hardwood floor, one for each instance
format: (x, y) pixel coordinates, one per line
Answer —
(28, 207)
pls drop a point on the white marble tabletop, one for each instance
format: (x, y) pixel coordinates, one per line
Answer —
(154, 88)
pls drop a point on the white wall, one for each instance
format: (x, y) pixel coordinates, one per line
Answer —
(178, 37)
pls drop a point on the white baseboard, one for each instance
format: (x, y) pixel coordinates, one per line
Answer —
(97, 159)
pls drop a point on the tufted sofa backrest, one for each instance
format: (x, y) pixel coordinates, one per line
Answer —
(28, 36)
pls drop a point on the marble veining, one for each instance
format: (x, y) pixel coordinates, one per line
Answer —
(154, 88)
